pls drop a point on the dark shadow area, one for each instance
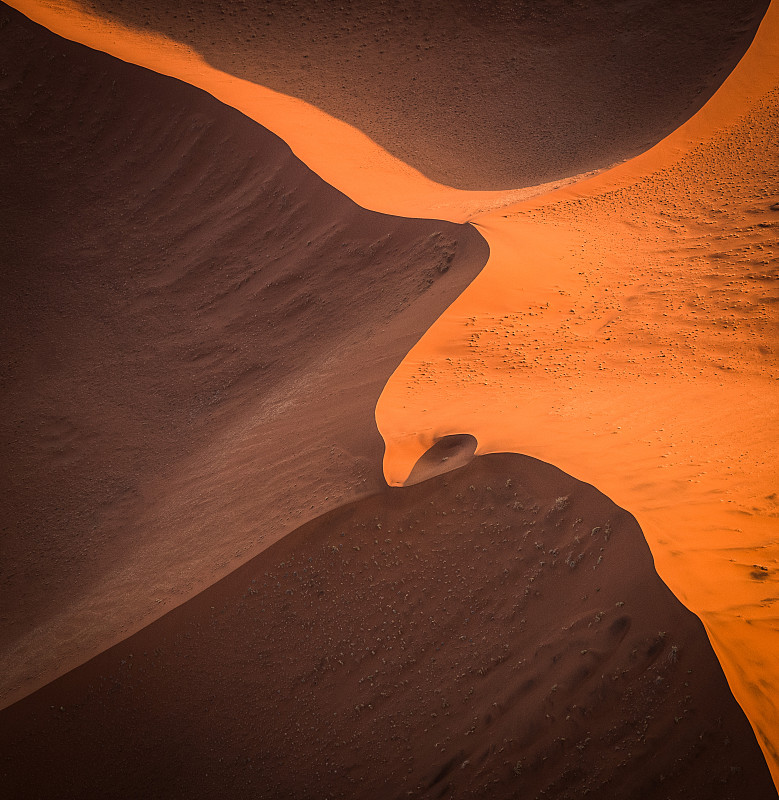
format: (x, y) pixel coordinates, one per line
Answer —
(194, 332)
(498, 631)
(448, 453)
(477, 94)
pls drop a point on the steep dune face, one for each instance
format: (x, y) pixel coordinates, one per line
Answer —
(195, 327)
(498, 631)
(476, 94)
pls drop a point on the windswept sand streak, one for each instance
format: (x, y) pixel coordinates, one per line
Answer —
(194, 340)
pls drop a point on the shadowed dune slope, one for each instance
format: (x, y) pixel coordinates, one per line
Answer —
(477, 94)
(497, 631)
(195, 330)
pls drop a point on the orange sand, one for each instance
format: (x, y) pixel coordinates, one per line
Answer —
(623, 330)
(337, 152)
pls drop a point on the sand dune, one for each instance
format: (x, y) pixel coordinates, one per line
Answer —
(476, 94)
(621, 330)
(374, 177)
(625, 329)
(498, 631)
(195, 333)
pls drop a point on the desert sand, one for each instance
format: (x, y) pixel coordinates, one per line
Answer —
(625, 329)
(498, 631)
(475, 94)
(196, 331)
(348, 159)
(622, 330)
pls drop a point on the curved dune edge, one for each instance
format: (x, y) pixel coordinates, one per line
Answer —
(505, 94)
(354, 164)
(341, 155)
(697, 574)
(193, 333)
(623, 330)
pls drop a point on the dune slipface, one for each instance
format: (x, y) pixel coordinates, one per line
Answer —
(626, 330)
(476, 94)
(497, 631)
(195, 332)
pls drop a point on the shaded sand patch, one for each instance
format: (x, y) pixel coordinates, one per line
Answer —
(340, 154)
(498, 631)
(476, 94)
(349, 160)
(448, 453)
(195, 330)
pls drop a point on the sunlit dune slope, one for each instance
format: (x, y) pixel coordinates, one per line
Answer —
(476, 94)
(195, 330)
(626, 330)
(498, 631)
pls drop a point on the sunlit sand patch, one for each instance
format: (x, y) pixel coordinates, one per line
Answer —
(623, 330)
(626, 331)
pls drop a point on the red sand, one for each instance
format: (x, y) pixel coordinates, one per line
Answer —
(608, 261)
(625, 330)
(476, 94)
(352, 162)
(496, 632)
(195, 333)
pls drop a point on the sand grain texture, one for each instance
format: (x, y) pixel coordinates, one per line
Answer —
(624, 328)
(498, 631)
(195, 329)
(476, 94)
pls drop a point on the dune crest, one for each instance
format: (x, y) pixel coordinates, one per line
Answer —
(348, 159)
(498, 632)
(340, 154)
(476, 94)
(195, 329)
